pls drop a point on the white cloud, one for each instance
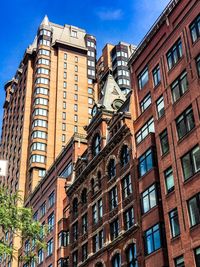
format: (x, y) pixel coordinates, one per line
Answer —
(108, 14)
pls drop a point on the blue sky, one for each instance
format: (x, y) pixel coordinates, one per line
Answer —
(110, 21)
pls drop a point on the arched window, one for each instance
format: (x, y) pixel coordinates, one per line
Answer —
(96, 145)
(124, 155)
(131, 256)
(84, 196)
(111, 169)
(75, 206)
(116, 261)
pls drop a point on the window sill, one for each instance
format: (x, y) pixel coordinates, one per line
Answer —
(149, 211)
(161, 117)
(142, 177)
(168, 194)
(157, 85)
(192, 228)
(181, 97)
(196, 41)
(165, 154)
(152, 253)
(173, 239)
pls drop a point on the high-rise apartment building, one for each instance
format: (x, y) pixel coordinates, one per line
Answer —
(49, 99)
(114, 60)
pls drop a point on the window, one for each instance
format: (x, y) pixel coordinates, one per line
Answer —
(145, 130)
(149, 198)
(113, 199)
(84, 196)
(40, 256)
(75, 231)
(96, 145)
(116, 261)
(50, 247)
(65, 56)
(42, 71)
(179, 262)
(40, 112)
(156, 75)
(174, 223)
(38, 146)
(152, 239)
(145, 103)
(41, 101)
(65, 65)
(63, 239)
(43, 61)
(43, 209)
(44, 52)
(42, 80)
(164, 142)
(51, 199)
(111, 169)
(64, 115)
(131, 256)
(94, 214)
(75, 118)
(191, 162)
(160, 107)
(76, 87)
(198, 65)
(146, 162)
(76, 78)
(38, 159)
(98, 241)
(128, 218)
(91, 63)
(39, 123)
(64, 85)
(179, 86)
(63, 262)
(97, 211)
(90, 100)
(114, 229)
(75, 206)
(65, 75)
(75, 128)
(90, 91)
(84, 224)
(197, 256)
(90, 53)
(75, 258)
(75, 68)
(44, 42)
(91, 72)
(124, 157)
(41, 172)
(76, 59)
(194, 209)
(74, 33)
(84, 252)
(185, 122)
(100, 208)
(195, 29)
(64, 94)
(174, 54)
(51, 222)
(143, 78)
(41, 90)
(67, 170)
(169, 180)
(39, 134)
(126, 186)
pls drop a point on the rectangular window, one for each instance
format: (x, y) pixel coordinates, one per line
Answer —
(160, 107)
(64, 94)
(64, 105)
(76, 87)
(74, 33)
(169, 180)
(65, 75)
(145, 130)
(149, 198)
(191, 163)
(40, 256)
(156, 75)
(198, 65)
(76, 59)
(90, 100)
(51, 222)
(42, 209)
(195, 29)
(126, 186)
(146, 162)
(143, 78)
(76, 78)
(197, 256)
(84, 224)
(75, 118)
(65, 65)
(75, 231)
(84, 252)
(75, 258)
(50, 247)
(113, 199)
(51, 199)
(179, 86)
(63, 137)
(145, 103)
(65, 56)
(63, 239)
(185, 122)
(64, 115)
(90, 91)
(164, 142)
(64, 85)
(94, 214)
(179, 262)
(75, 107)
(98, 241)
(194, 210)
(129, 218)
(114, 229)
(76, 68)
(152, 239)
(174, 54)
(174, 222)
(75, 97)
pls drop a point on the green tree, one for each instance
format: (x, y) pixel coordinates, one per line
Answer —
(16, 220)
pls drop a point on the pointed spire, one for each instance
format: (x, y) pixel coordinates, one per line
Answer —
(45, 21)
(110, 93)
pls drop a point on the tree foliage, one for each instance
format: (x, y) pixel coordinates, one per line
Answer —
(17, 220)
